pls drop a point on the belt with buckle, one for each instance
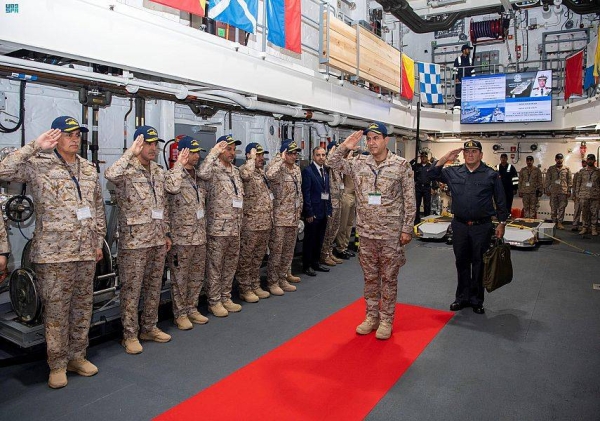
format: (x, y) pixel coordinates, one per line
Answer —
(473, 221)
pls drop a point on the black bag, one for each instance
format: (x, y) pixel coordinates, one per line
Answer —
(497, 266)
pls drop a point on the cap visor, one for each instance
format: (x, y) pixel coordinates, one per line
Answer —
(236, 143)
(154, 139)
(72, 129)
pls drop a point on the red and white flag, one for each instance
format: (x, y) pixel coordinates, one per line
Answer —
(574, 75)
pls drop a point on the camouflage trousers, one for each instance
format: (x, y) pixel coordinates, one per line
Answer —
(223, 254)
(140, 275)
(347, 215)
(381, 261)
(576, 212)
(589, 212)
(530, 202)
(66, 291)
(333, 225)
(253, 248)
(186, 264)
(558, 203)
(281, 253)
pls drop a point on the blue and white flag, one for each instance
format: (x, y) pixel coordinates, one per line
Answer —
(429, 83)
(592, 48)
(239, 13)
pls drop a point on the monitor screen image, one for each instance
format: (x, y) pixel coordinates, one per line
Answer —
(507, 98)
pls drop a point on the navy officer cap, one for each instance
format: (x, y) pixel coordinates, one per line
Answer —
(257, 146)
(189, 143)
(229, 139)
(67, 124)
(472, 144)
(288, 145)
(376, 127)
(150, 134)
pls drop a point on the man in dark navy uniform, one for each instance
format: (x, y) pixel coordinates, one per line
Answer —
(464, 66)
(474, 187)
(510, 179)
(422, 185)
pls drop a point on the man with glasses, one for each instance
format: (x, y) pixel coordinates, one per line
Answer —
(144, 238)
(475, 188)
(224, 206)
(68, 238)
(286, 184)
(385, 208)
(530, 187)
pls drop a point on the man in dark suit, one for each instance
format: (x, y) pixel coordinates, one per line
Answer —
(317, 208)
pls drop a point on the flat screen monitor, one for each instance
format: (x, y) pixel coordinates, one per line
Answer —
(507, 98)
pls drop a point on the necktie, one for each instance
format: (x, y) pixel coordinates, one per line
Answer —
(322, 173)
(542, 91)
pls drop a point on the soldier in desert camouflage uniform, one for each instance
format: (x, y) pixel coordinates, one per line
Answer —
(286, 185)
(577, 202)
(256, 225)
(530, 184)
(67, 242)
(558, 185)
(187, 256)
(385, 207)
(140, 185)
(588, 193)
(333, 223)
(225, 192)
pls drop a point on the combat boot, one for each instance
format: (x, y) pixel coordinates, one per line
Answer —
(291, 278)
(560, 226)
(367, 326)
(335, 259)
(261, 293)
(384, 331)
(183, 323)
(132, 346)
(198, 318)
(583, 231)
(218, 310)
(249, 297)
(155, 335)
(57, 378)
(232, 307)
(328, 261)
(275, 290)
(82, 367)
(284, 285)
(594, 231)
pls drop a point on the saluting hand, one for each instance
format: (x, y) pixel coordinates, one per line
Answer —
(219, 148)
(183, 156)
(450, 156)
(49, 139)
(351, 141)
(253, 153)
(138, 144)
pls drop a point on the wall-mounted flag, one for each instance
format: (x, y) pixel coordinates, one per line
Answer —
(239, 13)
(197, 7)
(284, 24)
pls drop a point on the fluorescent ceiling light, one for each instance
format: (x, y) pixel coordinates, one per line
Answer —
(587, 138)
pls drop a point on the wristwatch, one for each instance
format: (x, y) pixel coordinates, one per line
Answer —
(503, 223)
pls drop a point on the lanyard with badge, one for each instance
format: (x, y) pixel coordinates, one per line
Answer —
(199, 212)
(527, 184)
(324, 195)
(267, 184)
(297, 194)
(156, 213)
(589, 184)
(375, 196)
(237, 202)
(83, 212)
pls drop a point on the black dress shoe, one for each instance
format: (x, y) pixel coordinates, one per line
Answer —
(321, 268)
(341, 254)
(457, 305)
(310, 272)
(350, 253)
(478, 309)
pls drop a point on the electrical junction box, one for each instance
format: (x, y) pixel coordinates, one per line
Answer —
(2, 101)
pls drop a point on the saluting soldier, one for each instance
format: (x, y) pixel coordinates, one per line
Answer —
(225, 192)
(187, 256)
(67, 242)
(285, 180)
(141, 185)
(385, 209)
(588, 193)
(558, 185)
(336, 185)
(256, 225)
(530, 187)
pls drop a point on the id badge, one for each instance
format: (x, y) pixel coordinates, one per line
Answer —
(84, 213)
(271, 196)
(157, 214)
(200, 214)
(324, 196)
(375, 199)
(557, 181)
(527, 184)
(342, 187)
(237, 203)
(297, 203)
(588, 184)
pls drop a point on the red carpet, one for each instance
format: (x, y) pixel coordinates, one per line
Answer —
(326, 372)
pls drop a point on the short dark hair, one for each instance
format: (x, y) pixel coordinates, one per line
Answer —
(503, 155)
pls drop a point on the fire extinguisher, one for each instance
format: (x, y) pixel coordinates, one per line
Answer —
(171, 146)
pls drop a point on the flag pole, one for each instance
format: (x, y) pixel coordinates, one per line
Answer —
(418, 141)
